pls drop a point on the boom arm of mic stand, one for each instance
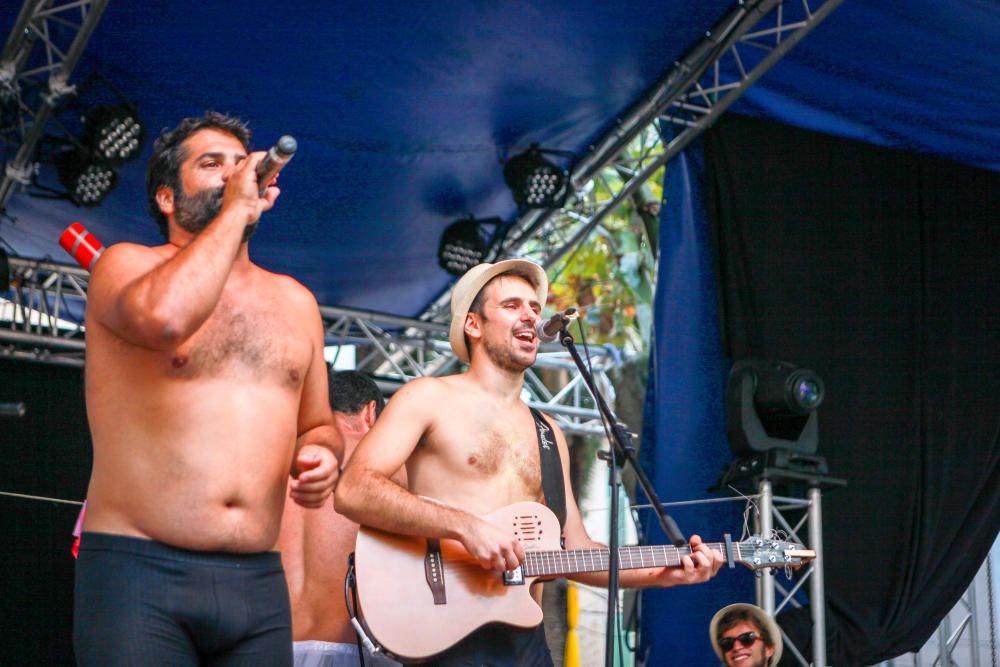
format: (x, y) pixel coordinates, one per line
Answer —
(667, 523)
(622, 439)
(621, 448)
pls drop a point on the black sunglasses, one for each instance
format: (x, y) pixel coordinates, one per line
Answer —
(747, 639)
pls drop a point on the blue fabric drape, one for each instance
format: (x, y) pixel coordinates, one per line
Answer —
(683, 442)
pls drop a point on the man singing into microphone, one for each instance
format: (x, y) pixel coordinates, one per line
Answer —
(471, 445)
(206, 388)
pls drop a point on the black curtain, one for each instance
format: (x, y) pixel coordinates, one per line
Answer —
(45, 453)
(879, 270)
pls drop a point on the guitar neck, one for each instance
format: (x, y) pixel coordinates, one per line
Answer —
(561, 563)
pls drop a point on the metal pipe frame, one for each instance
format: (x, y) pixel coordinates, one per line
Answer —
(37, 83)
(770, 510)
(946, 639)
(735, 53)
(41, 322)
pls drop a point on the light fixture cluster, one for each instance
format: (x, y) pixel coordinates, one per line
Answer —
(534, 181)
(87, 182)
(114, 133)
(462, 245)
(112, 136)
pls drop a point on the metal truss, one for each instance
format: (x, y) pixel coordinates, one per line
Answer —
(33, 81)
(768, 586)
(735, 53)
(968, 634)
(40, 321)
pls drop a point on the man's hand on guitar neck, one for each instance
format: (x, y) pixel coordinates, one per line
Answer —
(494, 548)
(699, 567)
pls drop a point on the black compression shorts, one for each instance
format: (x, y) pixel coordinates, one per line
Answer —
(140, 602)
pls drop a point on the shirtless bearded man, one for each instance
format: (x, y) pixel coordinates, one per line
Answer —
(469, 442)
(206, 387)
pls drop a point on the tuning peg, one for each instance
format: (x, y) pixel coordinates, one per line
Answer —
(788, 572)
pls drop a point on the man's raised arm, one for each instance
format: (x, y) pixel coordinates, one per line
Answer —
(156, 300)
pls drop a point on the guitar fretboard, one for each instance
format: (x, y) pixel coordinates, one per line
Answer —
(559, 563)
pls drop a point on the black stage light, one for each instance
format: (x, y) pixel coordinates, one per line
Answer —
(534, 181)
(86, 180)
(772, 405)
(113, 133)
(462, 245)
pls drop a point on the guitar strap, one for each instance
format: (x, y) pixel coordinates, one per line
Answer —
(553, 485)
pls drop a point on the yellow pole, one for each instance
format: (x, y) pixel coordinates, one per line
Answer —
(571, 657)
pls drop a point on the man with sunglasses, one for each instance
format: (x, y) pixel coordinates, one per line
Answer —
(744, 636)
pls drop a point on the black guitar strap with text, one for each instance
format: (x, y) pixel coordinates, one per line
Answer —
(553, 485)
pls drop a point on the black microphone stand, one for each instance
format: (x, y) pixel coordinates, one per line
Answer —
(621, 449)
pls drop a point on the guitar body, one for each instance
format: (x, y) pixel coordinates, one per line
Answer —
(397, 601)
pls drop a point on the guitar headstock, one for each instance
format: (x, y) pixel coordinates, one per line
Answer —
(758, 553)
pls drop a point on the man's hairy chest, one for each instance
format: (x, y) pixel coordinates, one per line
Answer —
(257, 342)
(489, 450)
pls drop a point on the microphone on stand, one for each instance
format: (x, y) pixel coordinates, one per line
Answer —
(277, 157)
(548, 330)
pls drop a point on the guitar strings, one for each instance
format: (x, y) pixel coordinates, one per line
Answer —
(751, 505)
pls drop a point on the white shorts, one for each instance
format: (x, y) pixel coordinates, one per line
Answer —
(326, 654)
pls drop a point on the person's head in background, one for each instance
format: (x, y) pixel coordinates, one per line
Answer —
(744, 636)
(355, 399)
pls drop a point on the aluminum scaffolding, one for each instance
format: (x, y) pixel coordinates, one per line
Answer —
(772, 595)
(34, 81)
(970, 634)
(42, 322)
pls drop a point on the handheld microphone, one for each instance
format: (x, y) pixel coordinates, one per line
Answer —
(277, 157)
(548, 330)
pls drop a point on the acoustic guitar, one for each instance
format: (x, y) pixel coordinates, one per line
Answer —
(419, 597)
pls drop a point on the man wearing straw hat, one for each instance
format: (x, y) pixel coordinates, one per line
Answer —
(470, 443)
(744, 636)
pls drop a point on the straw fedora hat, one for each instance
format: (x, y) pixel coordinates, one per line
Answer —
(763, 621)
(470, 284)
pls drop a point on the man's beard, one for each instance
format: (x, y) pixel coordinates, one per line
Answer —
(503, 356)
(194, 213)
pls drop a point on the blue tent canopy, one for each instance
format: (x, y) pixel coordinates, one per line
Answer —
(405, 111)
